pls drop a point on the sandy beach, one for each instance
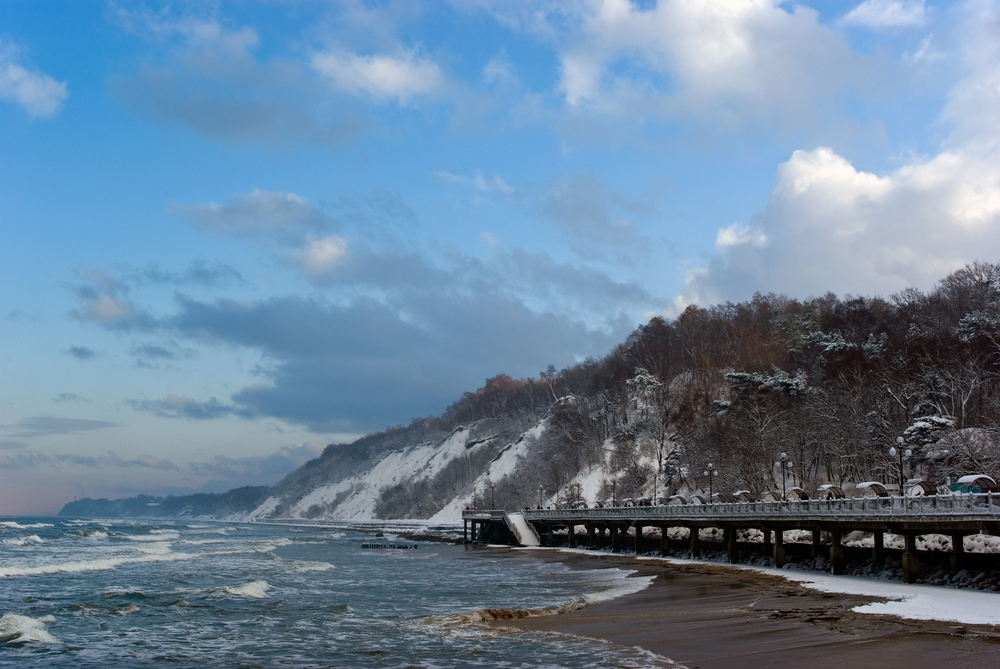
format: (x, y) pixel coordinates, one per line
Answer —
(707, 615)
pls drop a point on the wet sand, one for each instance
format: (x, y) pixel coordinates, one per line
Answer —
(705, 616)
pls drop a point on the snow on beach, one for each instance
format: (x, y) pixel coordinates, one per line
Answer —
(915, 602)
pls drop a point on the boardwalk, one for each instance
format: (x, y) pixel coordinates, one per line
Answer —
(954, 516)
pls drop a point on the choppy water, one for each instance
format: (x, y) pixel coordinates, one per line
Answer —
(113, 593)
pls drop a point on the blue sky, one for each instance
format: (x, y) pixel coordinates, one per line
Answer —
(231, 233)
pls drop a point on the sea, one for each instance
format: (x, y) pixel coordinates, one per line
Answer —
(129, 593)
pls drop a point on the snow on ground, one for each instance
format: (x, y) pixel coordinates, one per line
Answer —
(414, 463)
(916, 602)
(503, 464)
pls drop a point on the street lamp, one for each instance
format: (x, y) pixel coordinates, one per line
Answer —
(654, 488)
(709, 473)
(539, 497)
(473, 496)
(893, 452)
(785, 464)
(493, 497)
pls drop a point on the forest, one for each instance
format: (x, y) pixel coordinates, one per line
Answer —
(832, 383)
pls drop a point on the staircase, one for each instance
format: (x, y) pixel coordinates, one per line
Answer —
(522, 529)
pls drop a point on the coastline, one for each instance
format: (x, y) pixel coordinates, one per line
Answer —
(705, 615)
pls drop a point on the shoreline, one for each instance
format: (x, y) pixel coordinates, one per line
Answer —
(705, 615)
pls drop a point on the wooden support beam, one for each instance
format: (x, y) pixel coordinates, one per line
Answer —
(911, 564)
(779, 548)
(957, 551)
(836, 553)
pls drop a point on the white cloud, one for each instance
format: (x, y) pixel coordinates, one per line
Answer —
(737, 234)
(256, 211)
(881, 14)
(494, 184)
(830, 226)
(38, 93)
(321, 255)
(734, 60)
(381, 76)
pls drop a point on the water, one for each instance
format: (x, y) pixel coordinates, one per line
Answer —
(116, 593)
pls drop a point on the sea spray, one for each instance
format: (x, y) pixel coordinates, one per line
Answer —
(18, 630)
(256, 589)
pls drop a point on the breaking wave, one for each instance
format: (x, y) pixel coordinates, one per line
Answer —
(92, 534)
(99, 564)
(626, 586)
(23, 541)
(256, 589)
(17, 630)
(307, 565)
(155, 535)
(18, 526)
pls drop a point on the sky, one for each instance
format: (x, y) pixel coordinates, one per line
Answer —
(232, 233)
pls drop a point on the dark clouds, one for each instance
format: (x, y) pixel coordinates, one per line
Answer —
(39, 426)
(82, 352)
(199, 273)
(176, 406)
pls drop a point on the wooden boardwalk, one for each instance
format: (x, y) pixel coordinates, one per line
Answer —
(954, 516)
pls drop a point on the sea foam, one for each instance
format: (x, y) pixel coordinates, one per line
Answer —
(17, 526)
(16, 630)
(100, 564)
(255, 589)
(23, 541)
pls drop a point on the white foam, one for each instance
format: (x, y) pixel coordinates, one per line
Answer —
(160, 535)
(307, 565)
(23, 541)
(627, 585)
(202, 542)
(92, 534)
(154, 548)
(255, 589)
(15, 629)
(17, 526)
(101, 564)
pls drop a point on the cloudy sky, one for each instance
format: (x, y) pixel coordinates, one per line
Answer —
(232, 233)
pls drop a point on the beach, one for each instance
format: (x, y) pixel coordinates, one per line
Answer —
(706, 615)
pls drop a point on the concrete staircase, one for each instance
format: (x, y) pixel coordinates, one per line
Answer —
(522, 529)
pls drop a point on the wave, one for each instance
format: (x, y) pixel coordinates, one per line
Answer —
(626, 586)
(154, 548)
(127, 609)
(100, 564)
(202, 542)
(255, 589)
(17, 526)
(17, 630)
(92, 534)
(155, 535)
(23, 541)
(307, 565)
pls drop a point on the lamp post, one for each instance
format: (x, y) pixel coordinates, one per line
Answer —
(709, 472)
(540, 496)
(614, 492)
(784, 466)
(473, 496)
(493, 497)
(893, 452)
(654, 488)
